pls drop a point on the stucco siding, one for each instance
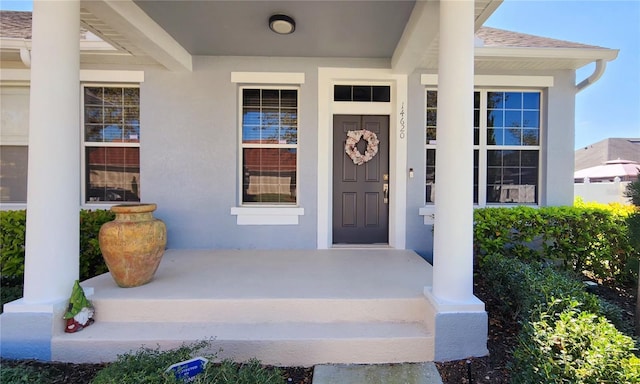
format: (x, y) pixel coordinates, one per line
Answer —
(419, 235)
(189, 152)
(559, 141)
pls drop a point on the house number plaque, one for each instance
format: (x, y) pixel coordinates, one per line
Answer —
(403, 127)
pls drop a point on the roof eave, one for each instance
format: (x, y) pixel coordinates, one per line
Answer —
(419, 41)
(580, 56)
(140, 31)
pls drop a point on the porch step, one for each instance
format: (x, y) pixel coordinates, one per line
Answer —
(293, 308)
(280, 344)
(258, 310)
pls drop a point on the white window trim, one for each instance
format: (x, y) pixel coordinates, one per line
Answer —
(266, 214)
(428, 210)
(83, 144)
(273, 78)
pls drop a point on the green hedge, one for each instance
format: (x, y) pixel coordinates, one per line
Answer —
(12, 236)
(526, 289)
(568, 334)
(583, 238)
(91, 261)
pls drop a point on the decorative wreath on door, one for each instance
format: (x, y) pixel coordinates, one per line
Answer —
(351, 149)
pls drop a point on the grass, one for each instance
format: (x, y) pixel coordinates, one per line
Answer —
(23, 375)
(146, 366)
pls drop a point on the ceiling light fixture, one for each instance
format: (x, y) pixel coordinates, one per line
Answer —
(282, 24)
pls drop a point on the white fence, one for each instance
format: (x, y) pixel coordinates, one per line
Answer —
(605, 192)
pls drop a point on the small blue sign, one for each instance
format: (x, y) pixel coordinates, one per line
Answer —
(188, 370)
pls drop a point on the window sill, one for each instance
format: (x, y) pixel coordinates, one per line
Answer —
(267, 215)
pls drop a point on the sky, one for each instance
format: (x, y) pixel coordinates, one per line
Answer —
(608, 108)
(611, 106)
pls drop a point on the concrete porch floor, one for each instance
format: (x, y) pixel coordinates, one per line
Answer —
(290, 307)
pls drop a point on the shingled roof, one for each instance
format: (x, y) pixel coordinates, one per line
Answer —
(15, 24)
(493, 37)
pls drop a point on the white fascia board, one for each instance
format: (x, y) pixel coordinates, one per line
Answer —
(267, 77)
(86, 75)
(14, 44)
(142, 31)
(420, 31)
(489, 7)
(15, 75)
(497, 80)
(592, 54)
(85, 45)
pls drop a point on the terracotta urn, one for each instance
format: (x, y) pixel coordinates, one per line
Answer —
(132, 244)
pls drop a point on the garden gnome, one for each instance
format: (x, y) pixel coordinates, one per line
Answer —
(80, 311)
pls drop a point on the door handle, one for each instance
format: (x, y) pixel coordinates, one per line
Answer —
(385, 192)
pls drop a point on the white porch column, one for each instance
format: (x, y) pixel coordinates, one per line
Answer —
(453, 230)
(460, 322)
(52, 234)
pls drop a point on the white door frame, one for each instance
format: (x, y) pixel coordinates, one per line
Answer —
(397, 112)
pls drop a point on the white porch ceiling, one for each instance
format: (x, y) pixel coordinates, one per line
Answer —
(323, 28)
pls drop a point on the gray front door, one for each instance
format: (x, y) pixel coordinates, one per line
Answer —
(360, 191)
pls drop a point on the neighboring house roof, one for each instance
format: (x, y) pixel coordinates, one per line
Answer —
(625, 170)
(606, 150)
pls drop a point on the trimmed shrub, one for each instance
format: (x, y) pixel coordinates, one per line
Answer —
(12, 233)
(91, 261)
(573, 347)
(589, 239)
(527, 289)
(567, 336)
(614, 208)
(12, 240)
(585, 239)
(511, 231)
